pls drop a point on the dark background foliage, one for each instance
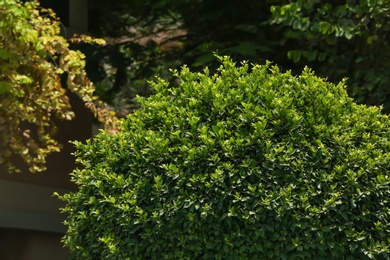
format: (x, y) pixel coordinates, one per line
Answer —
(336, 39)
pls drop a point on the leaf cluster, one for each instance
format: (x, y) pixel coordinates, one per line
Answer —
(244, 163)
(34, 61)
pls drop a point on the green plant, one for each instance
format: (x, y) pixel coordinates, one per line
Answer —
(247, 163)
(34, 61)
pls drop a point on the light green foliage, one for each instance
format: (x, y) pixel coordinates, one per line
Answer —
(341, 39)
(33, 58)
(246, 163)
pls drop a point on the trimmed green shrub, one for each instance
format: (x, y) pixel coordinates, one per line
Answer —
(247, 163)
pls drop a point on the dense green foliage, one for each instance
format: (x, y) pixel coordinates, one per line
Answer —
(337, 39)
(34, 59)
(247, 163)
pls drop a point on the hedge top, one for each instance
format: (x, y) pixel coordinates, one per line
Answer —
(247, 163)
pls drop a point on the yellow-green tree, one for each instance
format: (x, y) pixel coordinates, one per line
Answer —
(34, 57)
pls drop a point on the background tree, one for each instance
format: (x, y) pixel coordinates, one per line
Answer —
(336, 39)
(37, 68)
(341, 39)
(148, 37)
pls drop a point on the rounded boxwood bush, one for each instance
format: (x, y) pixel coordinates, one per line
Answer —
(246, 163)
